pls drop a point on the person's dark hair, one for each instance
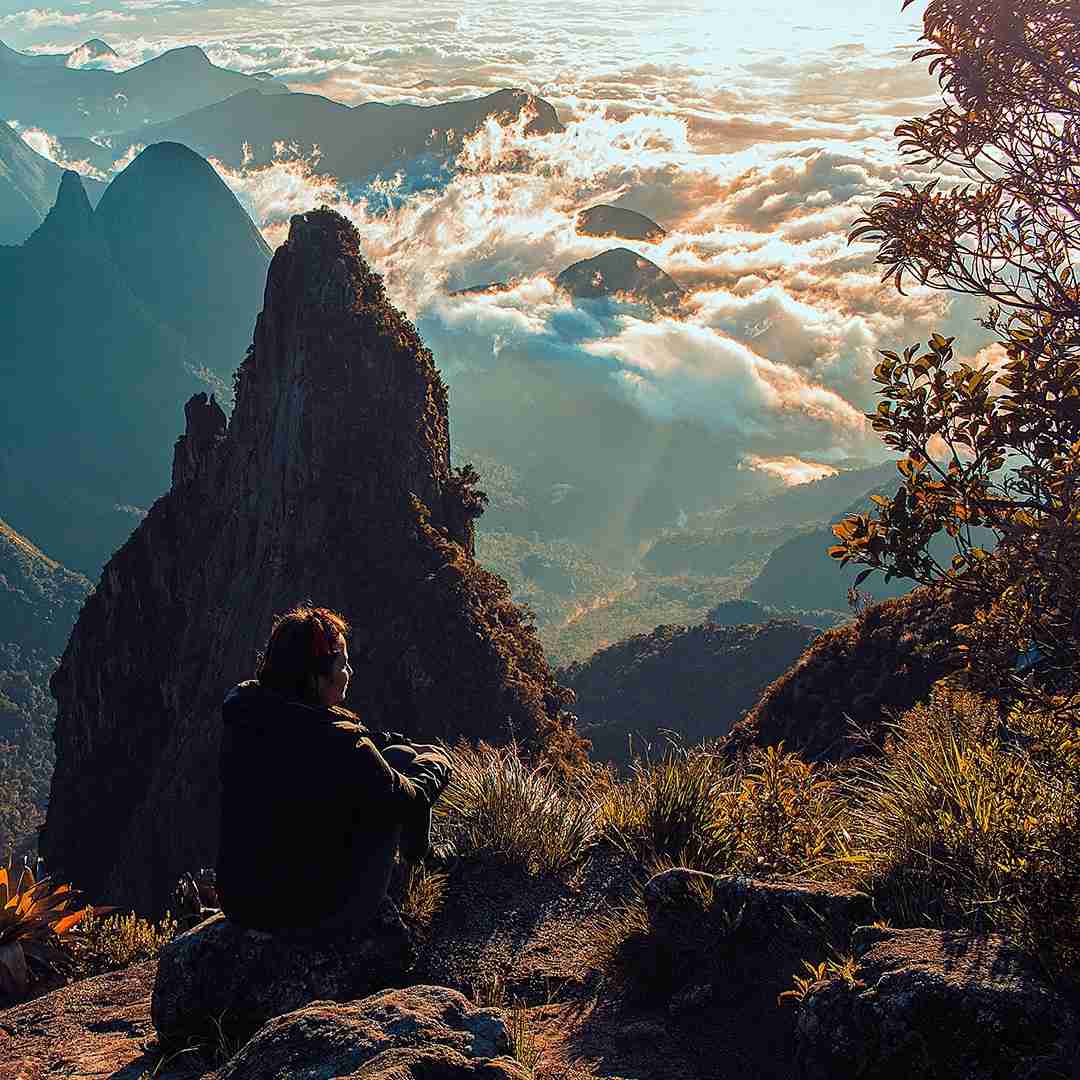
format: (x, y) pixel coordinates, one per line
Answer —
(301, 648)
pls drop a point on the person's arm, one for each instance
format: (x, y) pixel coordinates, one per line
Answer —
(392, 790)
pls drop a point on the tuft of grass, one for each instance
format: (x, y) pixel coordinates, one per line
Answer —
(497, 802)
(841, 968)
(524, 1046)
(670, 812)
(422, 896)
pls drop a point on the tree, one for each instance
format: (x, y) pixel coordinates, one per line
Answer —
(992, 447)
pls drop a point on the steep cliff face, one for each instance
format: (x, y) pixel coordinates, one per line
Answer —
(332, 481)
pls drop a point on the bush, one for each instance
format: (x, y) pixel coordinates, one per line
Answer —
(497, 802)
(769, 814)
(974, 823)
(105, 944)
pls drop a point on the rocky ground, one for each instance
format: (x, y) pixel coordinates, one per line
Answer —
(521, 977)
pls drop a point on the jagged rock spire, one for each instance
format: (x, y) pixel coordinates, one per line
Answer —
(70, 223)
(332, 482)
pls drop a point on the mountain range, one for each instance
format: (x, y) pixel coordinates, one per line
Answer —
(354, 142)
(108, 335)
(42, 91)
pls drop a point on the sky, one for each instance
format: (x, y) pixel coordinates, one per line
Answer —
(754, 133)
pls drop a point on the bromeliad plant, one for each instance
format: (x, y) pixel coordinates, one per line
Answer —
(34, 915)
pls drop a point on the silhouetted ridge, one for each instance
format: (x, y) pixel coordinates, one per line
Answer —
(70, 224)
(188, 250)
(604, 220)
(331, 480)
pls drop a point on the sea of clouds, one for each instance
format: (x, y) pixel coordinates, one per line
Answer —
(754, 139)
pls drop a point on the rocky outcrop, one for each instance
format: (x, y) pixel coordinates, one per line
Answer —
(425, 1031)
(332, 481)
(845, 683)
(937, 1005)
(221, 973)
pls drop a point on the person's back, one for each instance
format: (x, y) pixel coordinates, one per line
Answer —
(311, 811)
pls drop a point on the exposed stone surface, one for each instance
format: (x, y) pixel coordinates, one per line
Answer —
(339, 1040)
(937, 1005)
(500, 925)
(332, 482)
(218, 971)
(438, 1064)
(887, 659)
(94, 1029)
(761, 909)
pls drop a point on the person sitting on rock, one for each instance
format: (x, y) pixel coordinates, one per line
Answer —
(314, 806)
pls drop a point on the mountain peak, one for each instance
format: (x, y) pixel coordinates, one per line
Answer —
(338, 442)
(606, 220)
(70, 223)
(187, 54)
(620, 271)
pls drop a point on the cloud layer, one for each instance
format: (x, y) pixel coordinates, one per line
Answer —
(755, 142)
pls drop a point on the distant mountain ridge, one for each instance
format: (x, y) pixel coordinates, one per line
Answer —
(88, 51)
(605, 220)
(694, 681)
(113, 314)
(28, 187)
(42, 92)
(354, 141)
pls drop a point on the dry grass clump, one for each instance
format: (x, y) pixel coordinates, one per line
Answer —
(498, 802)
(422, 895)
(105, 944)
(973, 821)
(768, 814)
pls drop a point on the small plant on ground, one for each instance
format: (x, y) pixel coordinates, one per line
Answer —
(843, 968)
(34, 917)
(422, 894)
(105, 944)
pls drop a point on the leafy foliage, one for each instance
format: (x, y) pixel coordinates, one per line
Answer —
(992, 446)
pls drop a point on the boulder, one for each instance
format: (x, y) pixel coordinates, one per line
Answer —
(754, 909)
(221, 973)
(427, 1032)
(936, 1004)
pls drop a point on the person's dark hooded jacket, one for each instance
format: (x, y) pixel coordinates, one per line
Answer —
(311, 812)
